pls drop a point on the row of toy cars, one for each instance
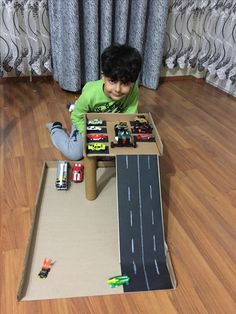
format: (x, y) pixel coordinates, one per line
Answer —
(141, 131)
(77, 174)
(96, 136)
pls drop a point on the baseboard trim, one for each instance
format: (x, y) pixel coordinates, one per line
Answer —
(182, 78)
(50, 78)
(26, 79)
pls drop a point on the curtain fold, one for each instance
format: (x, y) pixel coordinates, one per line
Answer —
(202, 34)
(24, 37)
(80, 30)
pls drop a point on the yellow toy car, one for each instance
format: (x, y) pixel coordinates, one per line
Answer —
(96, 147)
(140, 119)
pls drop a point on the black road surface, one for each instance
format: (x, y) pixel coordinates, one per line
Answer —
(141, 232)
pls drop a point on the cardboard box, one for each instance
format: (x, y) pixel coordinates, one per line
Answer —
(114, 118)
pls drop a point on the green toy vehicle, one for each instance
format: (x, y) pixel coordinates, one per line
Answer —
(117, 281)
(124, 139)
(121, 126)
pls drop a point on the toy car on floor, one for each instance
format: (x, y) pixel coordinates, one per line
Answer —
(117, 281)
(97, 137)
(62, 175)
(47, 264)
(77, 172)
(97, 147)
(95, 122)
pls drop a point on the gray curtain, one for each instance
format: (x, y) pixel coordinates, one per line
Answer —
(80, 30)
(202, 35)
(24, 38)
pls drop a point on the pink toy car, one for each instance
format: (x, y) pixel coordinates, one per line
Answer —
(77, 172)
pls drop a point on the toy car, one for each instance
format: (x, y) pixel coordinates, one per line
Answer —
(124, 139)
(97, 147)
(141, 125)
(95, 122)
(61, 179)
(94, 128)
(142, 128)
(117, 281)
(145, 137)
(121, 126)
(47, 264)
(97, 137)
(140, 119)
(77, 172)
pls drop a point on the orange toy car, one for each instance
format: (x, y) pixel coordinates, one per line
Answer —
(47, 264)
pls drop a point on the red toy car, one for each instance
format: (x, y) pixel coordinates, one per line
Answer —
(77, 172)
(145, 137)
(97, 137)
(142, 128)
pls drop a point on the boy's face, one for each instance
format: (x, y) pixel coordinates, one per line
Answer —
(116, 90)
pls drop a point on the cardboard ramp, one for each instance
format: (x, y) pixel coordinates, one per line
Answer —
(143, 251)
(81, 236)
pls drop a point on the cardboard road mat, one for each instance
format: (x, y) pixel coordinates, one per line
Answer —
(143, 253)
(80, 236)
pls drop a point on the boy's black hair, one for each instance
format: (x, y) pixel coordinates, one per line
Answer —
(121, 63)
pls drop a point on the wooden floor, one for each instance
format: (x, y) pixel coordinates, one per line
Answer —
(197, 124)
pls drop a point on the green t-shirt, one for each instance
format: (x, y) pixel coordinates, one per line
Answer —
(93, 99)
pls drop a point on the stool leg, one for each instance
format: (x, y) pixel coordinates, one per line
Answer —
(90, 170)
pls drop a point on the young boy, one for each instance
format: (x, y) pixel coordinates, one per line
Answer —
(116, 92)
